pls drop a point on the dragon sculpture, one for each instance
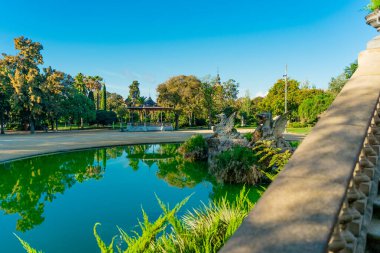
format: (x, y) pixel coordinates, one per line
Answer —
(271, 129)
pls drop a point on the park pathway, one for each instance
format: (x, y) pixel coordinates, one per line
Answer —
(16, 146)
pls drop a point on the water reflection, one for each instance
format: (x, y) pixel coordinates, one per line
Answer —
(27, 185)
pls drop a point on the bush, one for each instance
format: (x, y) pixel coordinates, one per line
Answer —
(311, 108)
(105, 117)
(248, 136)
(194, 149)
(272, 160)
(374, 5)
(236, 165)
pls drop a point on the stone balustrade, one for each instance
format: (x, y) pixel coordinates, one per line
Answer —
(323, 200)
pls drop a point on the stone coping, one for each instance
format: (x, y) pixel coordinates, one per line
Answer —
(298, 211)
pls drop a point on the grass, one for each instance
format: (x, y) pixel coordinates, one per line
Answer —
(205, 229)
(302, 130)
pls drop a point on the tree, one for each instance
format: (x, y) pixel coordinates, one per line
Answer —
(105, 117)
(79, 108)
(6, 92)
(207, 101)
(25, 78)
(218, 97)
(134, 92)
(103, 102)
(274, 102)
(79, 83)
(350, 69)
(121, 112)
(114, 101)
(180, 92)
(311, 108)
(230, 90)
(94, 84)
(337, 83)
(52, 88)
(245, 106)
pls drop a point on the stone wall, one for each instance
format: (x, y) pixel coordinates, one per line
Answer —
(304, 208)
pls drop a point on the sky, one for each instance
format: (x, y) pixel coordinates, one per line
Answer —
(249, 41)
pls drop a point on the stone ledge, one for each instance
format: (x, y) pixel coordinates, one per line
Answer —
(299, 210)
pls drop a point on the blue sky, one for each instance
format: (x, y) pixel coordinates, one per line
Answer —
(150, 41)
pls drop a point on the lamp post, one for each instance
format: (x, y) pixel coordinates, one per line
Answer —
(286, 88)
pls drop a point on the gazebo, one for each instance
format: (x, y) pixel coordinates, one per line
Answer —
(150, 117)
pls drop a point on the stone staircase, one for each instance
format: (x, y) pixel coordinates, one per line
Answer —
(373, 235)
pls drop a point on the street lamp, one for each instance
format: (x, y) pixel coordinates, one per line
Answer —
(286, 88)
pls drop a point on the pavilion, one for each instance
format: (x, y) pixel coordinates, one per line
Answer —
(150, 117)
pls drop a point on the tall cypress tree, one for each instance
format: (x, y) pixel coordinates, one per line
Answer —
(91, 97)
(103, 102)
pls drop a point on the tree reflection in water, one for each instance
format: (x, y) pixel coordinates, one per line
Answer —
(26, 185)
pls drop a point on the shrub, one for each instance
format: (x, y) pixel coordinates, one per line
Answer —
(105, 117)
(248, 136)
(195, 148)
(311, 108)
(236, 165)
(373, 5)
(271, 159)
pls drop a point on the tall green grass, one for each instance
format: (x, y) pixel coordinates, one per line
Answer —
(202, 230)
(205, 229)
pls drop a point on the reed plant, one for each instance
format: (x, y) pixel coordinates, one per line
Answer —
(205, 229)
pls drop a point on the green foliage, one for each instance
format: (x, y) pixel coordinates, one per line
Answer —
(275, 100)
(34, 182)
(337, 83)
(103, 102)
(102, 246)
(194, 148)
(134, 92)
(202, 230)
(373, 5)
(236, 165)
(114, 101)
(105, 117)
(248, 136)
(311, 108)
(182, 93)
(294, 144)
(26, 246)
(272, 159)
(350, 70)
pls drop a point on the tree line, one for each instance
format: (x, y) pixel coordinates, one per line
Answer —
(34, 97)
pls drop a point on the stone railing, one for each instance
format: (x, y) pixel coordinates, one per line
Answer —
(322, 201)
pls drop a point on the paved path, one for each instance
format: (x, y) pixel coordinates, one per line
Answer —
(15, 146)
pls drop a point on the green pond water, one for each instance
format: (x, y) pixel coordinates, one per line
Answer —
(53, 201)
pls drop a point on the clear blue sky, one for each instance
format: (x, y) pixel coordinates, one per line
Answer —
(248, 40)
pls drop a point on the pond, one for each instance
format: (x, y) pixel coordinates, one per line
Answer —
(53, 201)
